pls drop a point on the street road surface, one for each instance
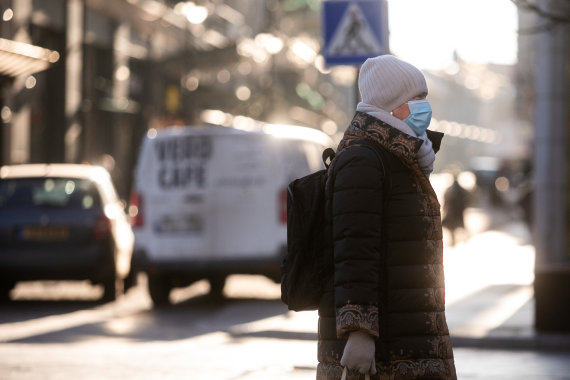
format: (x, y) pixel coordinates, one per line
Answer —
(247, 335)
(59, 330)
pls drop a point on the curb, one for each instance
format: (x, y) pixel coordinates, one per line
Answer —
(538, 342)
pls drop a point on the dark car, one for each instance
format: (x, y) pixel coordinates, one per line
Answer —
(62, 222)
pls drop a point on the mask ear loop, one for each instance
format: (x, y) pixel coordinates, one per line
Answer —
(417, 101)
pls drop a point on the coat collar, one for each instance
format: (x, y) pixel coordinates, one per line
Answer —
(402, 145)
(364, 126)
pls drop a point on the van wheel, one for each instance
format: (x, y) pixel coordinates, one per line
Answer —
(112, 289)
(159, 290)
(217, 286)
(5, 288)
(131, 280)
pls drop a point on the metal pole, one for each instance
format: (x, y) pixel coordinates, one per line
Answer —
(551, 203)
(73, 78)
(550, 147)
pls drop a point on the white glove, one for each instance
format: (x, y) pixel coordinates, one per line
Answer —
(359, 353)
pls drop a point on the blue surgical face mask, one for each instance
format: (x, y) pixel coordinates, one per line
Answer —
(420, 116)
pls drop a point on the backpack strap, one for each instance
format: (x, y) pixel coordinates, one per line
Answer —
(328, 154)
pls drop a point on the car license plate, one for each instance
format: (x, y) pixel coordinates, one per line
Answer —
(51, 233)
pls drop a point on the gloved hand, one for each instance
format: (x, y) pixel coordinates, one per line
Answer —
(359, 353)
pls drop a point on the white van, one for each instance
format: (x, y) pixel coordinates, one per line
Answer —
(211, 201)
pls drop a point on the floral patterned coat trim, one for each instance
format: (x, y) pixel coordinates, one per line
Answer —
(364, 126)
(401, 369)
(357, 317)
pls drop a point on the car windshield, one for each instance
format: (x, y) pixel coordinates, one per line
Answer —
(49, 192)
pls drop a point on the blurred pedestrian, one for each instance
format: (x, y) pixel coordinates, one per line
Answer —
(526, 189)
(455, 201)
(383, 310)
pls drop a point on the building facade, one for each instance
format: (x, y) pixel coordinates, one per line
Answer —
(126, 66)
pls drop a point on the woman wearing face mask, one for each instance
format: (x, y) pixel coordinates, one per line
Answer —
(383, 310)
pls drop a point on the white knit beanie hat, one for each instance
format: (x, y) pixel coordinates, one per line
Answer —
(388, 82)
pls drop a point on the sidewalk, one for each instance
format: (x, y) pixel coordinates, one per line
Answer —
(494, 271)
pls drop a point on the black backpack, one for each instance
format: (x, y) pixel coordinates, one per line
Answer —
(303, 270)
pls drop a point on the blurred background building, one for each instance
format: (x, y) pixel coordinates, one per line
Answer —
(83, 81)
(126, 66)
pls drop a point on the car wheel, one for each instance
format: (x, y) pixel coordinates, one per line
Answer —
(217, 286)
(159, 290)
(112, 289)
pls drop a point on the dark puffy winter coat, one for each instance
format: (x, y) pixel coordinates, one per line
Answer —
(387, 254)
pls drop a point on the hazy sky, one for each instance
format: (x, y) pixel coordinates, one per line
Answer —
(427, 32)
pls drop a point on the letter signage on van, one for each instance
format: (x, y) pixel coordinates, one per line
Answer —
(182, 160)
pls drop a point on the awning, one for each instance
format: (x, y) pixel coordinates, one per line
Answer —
(18, 58)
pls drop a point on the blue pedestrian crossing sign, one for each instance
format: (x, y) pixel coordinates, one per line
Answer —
(352, 31)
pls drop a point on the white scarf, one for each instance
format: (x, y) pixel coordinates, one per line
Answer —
(426, 154)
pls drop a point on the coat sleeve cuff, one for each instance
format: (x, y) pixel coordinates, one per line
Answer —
(357, 317)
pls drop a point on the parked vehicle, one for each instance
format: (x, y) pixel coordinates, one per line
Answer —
(62, 222)
(211, 201)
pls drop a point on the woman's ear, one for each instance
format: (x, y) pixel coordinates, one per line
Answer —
(402, 111)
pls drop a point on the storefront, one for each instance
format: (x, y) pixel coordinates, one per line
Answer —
(18, 61)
